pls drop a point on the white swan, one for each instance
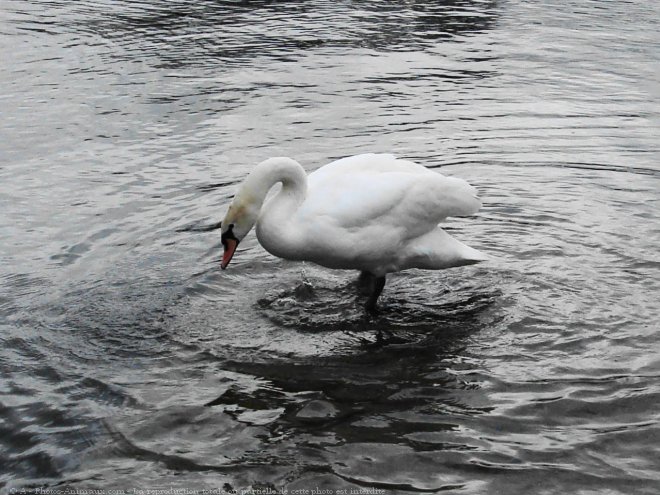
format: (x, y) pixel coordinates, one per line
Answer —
(372, 212)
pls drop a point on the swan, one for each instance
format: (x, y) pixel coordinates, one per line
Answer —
(371, 212)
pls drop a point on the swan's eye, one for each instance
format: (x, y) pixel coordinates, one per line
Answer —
(229, 234)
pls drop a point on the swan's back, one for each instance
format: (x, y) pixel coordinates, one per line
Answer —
(375, 163)
(372, 188)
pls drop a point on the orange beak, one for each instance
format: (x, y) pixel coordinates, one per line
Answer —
(230, 248)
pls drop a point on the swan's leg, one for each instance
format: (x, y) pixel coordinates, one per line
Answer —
(365, 283)
(376, 290)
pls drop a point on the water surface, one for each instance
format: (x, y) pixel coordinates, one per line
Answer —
(130, 360)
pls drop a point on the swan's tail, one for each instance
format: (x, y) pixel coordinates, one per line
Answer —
(437, 250)
(471, 255)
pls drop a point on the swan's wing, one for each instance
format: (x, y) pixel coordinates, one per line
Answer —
(379, 190)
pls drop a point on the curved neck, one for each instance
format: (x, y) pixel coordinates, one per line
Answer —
(269, 172)
(275, 230)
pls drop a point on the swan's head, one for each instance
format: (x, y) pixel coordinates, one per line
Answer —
(238, 221)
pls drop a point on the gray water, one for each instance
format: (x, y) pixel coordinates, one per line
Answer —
(129, 360)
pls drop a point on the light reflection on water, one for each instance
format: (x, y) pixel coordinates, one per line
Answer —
(131, 360)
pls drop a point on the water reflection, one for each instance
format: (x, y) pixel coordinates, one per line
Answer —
(322, 415)
(217, 33)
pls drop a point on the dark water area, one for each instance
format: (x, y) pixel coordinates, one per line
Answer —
(129, 360)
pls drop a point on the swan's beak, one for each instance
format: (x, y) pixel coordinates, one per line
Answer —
(230, 248)
(230, 243)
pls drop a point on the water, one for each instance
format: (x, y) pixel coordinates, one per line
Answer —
(129, 360)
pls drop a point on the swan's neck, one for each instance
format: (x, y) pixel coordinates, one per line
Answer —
(276, 229)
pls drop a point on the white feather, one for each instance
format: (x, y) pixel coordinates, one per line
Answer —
(370, 212)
